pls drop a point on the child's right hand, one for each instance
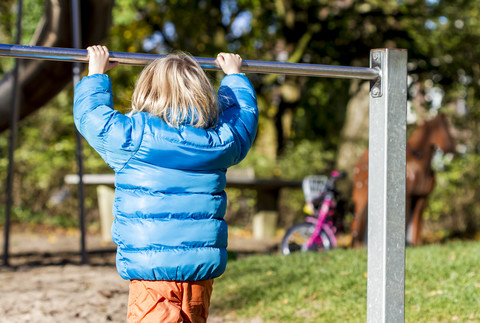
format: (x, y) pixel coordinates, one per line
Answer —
(230, 63)
(98, 60)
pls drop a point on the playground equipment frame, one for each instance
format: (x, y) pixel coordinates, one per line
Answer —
(387, 151)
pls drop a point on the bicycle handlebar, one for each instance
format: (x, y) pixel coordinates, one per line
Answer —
(338, 174)
(333, 177)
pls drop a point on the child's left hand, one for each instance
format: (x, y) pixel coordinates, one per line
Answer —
(98, 60)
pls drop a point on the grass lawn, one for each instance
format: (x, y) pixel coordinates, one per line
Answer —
(442, 285)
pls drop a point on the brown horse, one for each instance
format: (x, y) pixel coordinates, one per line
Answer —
(419, 182)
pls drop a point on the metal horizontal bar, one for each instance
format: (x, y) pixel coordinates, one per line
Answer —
(80, 55)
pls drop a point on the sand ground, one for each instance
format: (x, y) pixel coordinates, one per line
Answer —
(46, 282)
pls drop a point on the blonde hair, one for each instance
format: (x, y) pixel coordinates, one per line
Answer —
(176, 89)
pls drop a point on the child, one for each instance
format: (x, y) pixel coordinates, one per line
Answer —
(170, 155)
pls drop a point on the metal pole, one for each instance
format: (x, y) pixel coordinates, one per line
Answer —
(80, 55)
(386, 188)
(77, 43)
(13, 140)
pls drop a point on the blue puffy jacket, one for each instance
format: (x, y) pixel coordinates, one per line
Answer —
(169, 196)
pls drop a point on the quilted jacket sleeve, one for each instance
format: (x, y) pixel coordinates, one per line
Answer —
(238, 108)
(114, 136)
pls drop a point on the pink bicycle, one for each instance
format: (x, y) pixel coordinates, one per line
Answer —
(318, 231)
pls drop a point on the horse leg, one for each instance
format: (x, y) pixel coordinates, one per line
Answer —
(354, 227)
(354, 231)
(359, 228)
(409, 205)
(363, 230)
(359, 199)
(415, 226)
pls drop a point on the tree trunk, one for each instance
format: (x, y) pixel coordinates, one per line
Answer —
(354, 135)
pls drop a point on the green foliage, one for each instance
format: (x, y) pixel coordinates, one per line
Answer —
(7, 19)
(32, 11)
(46, 152)
(306, 158)
(461, 179)
(442, 284)
(299, 160)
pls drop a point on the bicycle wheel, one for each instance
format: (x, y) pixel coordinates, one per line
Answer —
(296, 238)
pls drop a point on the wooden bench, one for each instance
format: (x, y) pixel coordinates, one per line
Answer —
(264, 221)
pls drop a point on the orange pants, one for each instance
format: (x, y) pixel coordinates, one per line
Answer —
(169, 301)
